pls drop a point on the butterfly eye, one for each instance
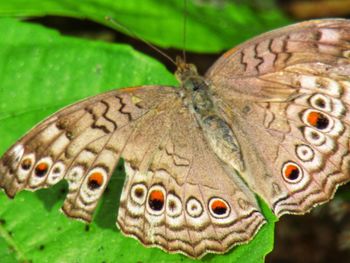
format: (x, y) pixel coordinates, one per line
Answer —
(291, 172)
(219, 207)
(317, 120)
(95, 180)
(194, 207)
(156, 199)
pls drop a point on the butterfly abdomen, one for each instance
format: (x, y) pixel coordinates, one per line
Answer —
(217, 131)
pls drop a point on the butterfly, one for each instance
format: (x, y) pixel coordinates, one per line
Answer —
(269, 118)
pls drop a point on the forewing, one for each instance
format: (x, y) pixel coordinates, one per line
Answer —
(295, 144)
(249, 70)
(82, 144)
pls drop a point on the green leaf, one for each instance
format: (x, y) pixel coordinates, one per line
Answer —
(209, 27)
(42, 71)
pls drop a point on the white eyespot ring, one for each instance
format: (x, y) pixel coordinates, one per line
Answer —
(291, 172)
(40, 171)
(27, 162)
(218, 207)
(314, 137)
(193, 207)
(321, 102)
(93, 185)
(138, 193)
(56, 173)
(173, 205)
(96, 179)
(304, 152)
(25, 167)
(46, 162)
(74, 177)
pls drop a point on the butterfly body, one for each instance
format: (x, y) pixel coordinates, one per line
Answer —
(200, 102)
(270, 118)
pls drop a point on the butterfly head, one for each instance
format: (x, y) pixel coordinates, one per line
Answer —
(184, 70)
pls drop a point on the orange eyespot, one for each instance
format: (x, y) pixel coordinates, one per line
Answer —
(41, 169)
(95, 180)
(156, 200)
(318, 120)
(291, 172)
(219, 207)
(26, 164)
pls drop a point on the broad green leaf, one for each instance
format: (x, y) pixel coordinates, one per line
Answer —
(210, 27)
(41, 71)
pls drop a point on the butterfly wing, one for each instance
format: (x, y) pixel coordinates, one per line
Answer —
(82, 144)
(250, 69)
(286, 95)
(177, 194)
(182, 198)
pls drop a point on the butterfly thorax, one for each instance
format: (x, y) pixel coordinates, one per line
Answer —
(197, 97)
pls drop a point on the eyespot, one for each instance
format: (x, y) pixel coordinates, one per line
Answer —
(291, 172)
(40, 171)
(56, 173)
(25, 167)
(26, 164)
(173, 205)
(317, 119)
(138, 193)
(314, 137)
(321, 102)
(95, 180)
(304, 152)
(74, 177)
(42, 167)
(156, 199)
(90, 190)
(193, 207)
(218, 207)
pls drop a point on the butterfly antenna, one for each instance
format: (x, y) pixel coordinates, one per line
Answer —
(133, 34)
(184, 30)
